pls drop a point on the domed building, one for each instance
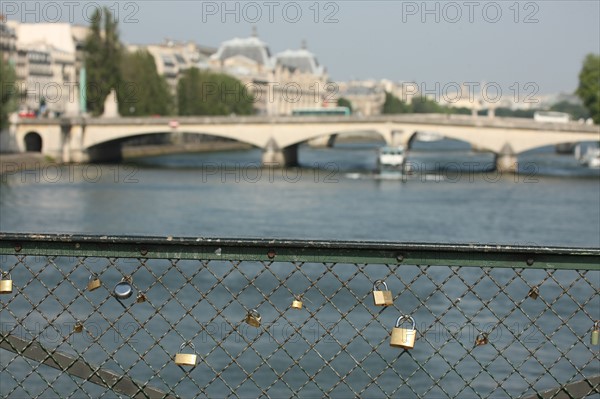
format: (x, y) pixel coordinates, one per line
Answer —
(303, 82)
(243, 56)
(290, 80)
(301, 61)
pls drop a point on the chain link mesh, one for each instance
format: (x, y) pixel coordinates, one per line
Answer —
(337, 345)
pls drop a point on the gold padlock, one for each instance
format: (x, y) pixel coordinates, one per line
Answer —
(296, 304)
(595, 333)
(93, 282)
(403, 337)
(78, 327)
(534, 293)
(481, 339)
(186, 359)
(382, 298)
(253, 318)
(5, 285)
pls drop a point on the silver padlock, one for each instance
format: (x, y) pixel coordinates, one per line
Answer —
(403, 337)
(382, 298)
(123, 289)
(186, 359)
(6, 286)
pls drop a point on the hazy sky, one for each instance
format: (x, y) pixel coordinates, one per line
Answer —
(505, 42)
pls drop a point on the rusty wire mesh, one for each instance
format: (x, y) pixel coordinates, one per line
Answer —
(61, 340)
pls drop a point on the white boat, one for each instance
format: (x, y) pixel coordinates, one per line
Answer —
(391, 157)
(591, 158)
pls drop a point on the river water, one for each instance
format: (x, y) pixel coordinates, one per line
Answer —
(336, 194)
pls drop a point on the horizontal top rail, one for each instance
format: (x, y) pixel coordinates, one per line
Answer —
(432, 119)
(281, 250)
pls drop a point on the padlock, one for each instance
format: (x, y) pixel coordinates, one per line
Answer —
(403, 337)
(534, 293)
(595, 333)
(78, 327)
(5, 285)
(186, 359)
(93, 283)
(481, 339)
(123, 289)
(297, 303)
(253, 318)
(382, 298)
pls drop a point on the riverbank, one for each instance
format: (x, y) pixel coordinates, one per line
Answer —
(11, 163)
(132, 152)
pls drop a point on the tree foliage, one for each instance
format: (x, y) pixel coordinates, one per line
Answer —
(344, 102)
(9, 88)
(102, 59)
(424, 105)
(142, 90)
(393, 105)
(513, 113)
(577, 111)
(419, 105)
(589, 85)
(206, 93)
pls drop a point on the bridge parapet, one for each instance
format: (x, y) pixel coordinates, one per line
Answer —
(410, 119)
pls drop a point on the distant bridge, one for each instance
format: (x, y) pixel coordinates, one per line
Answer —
(94, 139)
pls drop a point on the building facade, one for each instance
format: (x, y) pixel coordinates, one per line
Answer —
(45, 66)
(292, 79)
(172, 58)
(8, 42)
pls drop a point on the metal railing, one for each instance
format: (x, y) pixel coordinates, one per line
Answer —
(90, 316)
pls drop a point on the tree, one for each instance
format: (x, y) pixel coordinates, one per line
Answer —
(207, 93)
(393, 105)
(344, 102)
(142, 90)
(102, 59)
(589, 85)
(9, 89)
(513, 113)
(577, 111)
(424, 105)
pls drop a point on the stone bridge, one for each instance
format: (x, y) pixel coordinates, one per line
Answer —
(81, 139)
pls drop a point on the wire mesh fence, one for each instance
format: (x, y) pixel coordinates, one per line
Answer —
(108, 316)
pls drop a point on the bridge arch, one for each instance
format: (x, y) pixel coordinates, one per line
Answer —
(112, 150)
(498, 143)
(118, 135)
(33, 142)
(329, 139)
(326, 134)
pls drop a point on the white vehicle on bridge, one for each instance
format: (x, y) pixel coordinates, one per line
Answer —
(551, 116)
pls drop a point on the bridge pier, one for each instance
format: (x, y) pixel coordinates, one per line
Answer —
(506, 160)
(273, 156)
(74, 133)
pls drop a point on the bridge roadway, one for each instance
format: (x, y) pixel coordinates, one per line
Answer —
(81, 139)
